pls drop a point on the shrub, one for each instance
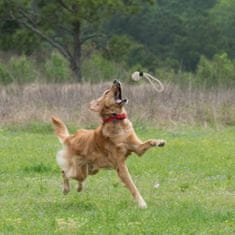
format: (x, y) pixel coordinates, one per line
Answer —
(57, 68)
(218, 71)
(5, 76)
(22, 69)
(97, 68)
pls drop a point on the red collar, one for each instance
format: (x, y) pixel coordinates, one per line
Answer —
(120, 116)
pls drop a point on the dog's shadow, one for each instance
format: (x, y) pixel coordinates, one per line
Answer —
(68, 206)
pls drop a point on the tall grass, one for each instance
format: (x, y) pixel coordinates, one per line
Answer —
(185, 105)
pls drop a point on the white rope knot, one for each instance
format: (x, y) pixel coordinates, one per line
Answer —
(136, 76)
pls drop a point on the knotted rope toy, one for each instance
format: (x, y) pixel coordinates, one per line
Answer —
(136, 76)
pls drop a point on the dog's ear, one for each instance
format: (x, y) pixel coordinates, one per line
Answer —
(95, 106)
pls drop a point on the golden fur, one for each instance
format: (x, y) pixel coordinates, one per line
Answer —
(108, 146)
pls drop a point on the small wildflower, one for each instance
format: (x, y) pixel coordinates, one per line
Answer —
(157, 185)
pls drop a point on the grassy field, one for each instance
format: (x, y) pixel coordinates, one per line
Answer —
(196, 194)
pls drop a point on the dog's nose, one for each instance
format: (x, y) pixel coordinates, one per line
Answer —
(116, 82)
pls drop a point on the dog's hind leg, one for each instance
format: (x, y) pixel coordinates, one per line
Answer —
(64, 164)
(66, 186)
(81, 176)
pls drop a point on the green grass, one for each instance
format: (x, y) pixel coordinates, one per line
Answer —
(196, 194)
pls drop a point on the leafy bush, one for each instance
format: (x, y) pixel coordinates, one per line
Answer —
(5, 76)
(57, 68)
(97, 68)
(218, 71)
(22, 69)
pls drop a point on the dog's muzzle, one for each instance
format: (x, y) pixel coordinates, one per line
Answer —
(118, 93)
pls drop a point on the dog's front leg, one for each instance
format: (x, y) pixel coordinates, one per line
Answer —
(124, 175)
(140, 147)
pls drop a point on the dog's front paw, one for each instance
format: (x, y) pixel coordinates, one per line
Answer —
(159, 143)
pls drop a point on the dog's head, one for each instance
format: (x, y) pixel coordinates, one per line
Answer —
(110, 102)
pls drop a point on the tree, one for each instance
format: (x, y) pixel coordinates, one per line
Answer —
(223, 15)
(173, 33)
(65, 25)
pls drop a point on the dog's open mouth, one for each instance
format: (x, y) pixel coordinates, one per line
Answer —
(118, 93)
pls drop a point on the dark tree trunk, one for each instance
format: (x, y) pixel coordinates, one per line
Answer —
(75, 61)
(75, 67)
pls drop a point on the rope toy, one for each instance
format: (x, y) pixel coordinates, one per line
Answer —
(136, 76)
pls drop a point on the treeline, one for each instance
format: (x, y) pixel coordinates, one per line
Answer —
(58, 40)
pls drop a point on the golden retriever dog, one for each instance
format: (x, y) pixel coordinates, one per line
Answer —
(108, 146)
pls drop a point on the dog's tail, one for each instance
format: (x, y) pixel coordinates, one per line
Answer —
(60, 129)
